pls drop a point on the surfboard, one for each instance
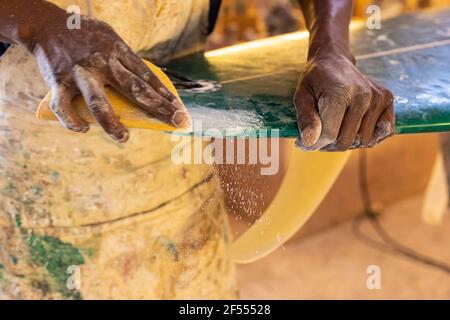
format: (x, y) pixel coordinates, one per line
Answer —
(246, 89)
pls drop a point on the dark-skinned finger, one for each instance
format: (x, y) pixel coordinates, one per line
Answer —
(332, 109)
(61, 105)
(308, 118)
(385, 127)
(140, 92)
(98, 104)
(136, 66)
(352, 120)
(370, 121)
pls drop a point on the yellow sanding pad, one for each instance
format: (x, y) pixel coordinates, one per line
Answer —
(131, 115)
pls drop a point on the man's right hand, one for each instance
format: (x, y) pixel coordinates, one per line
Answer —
(74, 61)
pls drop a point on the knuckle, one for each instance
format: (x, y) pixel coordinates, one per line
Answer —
(119, 76)
(363, 93)
(343, 89)
(98, 104)
(121, 47)
(79, 71)
(149, 76)
(339, 96)
(137, 87)
(363, 100)
(377, 94)
(389, 96)
(96, 99)
(342, 93)
(142, 94)
(99, 108)
(97, 60)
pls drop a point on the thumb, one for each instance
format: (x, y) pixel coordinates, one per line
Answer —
(308, 118)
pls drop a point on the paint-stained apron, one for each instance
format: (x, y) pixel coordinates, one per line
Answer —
(84, 217)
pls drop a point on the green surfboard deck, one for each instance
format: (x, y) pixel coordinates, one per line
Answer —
(410, 55)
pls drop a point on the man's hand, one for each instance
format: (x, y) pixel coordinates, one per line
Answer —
(339, 108)
(74, 61)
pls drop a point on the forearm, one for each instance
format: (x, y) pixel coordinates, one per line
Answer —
(20, 20)
(328, 24)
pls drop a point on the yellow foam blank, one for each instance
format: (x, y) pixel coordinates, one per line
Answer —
(308, 179)
(131, 115)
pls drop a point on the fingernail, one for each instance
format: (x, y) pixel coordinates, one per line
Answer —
(299, 144)
(334, 147)
(181, 119)
(308, 137)
(79, 129)
(82, 129)
(122, 137)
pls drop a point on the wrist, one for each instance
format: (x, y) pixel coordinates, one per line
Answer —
(40, 18)
(326, 48)
(54, 18)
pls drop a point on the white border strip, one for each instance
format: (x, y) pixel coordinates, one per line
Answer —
(413, 48)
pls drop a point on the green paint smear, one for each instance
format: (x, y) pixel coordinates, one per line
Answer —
(55, 176)
(56, 256)
(172, 248)
(89, 252)
(37, 190)
(18, 221)
(9, 188)
(3, 282)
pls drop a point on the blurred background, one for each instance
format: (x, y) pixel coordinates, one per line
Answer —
(246, 20)
(330, 256)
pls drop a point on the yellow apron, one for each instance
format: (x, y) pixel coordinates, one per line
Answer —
(100, 220)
